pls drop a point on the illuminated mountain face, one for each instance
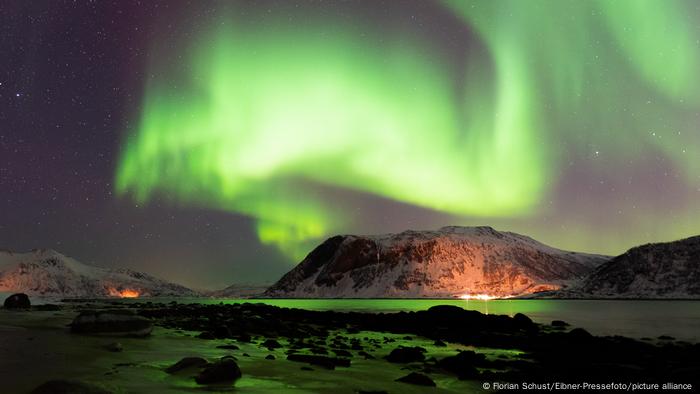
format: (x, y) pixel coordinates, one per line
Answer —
(464, 262)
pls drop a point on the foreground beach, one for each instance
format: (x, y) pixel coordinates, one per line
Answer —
(303, 351)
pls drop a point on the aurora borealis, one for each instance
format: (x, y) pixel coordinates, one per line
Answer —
(269, 111)
(209, 141)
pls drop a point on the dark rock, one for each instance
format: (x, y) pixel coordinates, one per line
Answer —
(17, 301)
(685, 374)
(406, 354)
(318, 350)
(366, 355)
(596, 358)
(305, 368)
(463, 364)
(68, 387)
(342, 353)
(206, 335)
(523, 322)
(418, 379)
(666, 338)
(222, 332)
(321, 361)
(224, 371)
(439, 343)
(111, 322)
(271, 344)
(245, 355)
(243, 338)
(269, 357)
(114, 347)
(559, 323)
(185, 363)
(579, 336)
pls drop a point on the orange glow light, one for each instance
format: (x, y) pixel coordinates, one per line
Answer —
(126, 293)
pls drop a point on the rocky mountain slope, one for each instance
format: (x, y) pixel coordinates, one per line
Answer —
(659, 270)
(48, 273)
(449, 262)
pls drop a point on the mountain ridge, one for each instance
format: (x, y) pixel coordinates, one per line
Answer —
(46, 272)
(661, 270)
(449, 262)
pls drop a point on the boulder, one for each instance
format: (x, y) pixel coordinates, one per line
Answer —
(366, 355)
(463, 364)
(111, 322)
(222, 332)
(579, 336)
(224, 371)
(68, 387)
(523, 322)
(406, 354)
(271, 344)
(17, 301)
(342, 353)
(206, 335)
(417, 379)
(185, 363)
(559, 323)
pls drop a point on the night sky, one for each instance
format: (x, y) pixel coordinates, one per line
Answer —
(217, 142)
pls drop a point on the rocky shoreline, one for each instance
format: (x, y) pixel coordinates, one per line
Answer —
(548, 352)
(443, 348)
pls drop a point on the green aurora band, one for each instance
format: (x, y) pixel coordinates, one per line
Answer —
(263, 111)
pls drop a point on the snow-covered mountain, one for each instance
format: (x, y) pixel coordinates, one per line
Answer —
(239, 291)
(450, 262)
(48, 273)
(659, 270)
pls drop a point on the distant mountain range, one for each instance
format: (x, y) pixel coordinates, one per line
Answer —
(239, 291)
(660, 270)
(450, 262)
(45, 272)
(447, 263)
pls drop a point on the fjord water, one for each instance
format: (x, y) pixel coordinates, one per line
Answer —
(630, 318)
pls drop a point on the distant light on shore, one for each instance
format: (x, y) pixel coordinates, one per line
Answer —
(125, 293)
(481, 297)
